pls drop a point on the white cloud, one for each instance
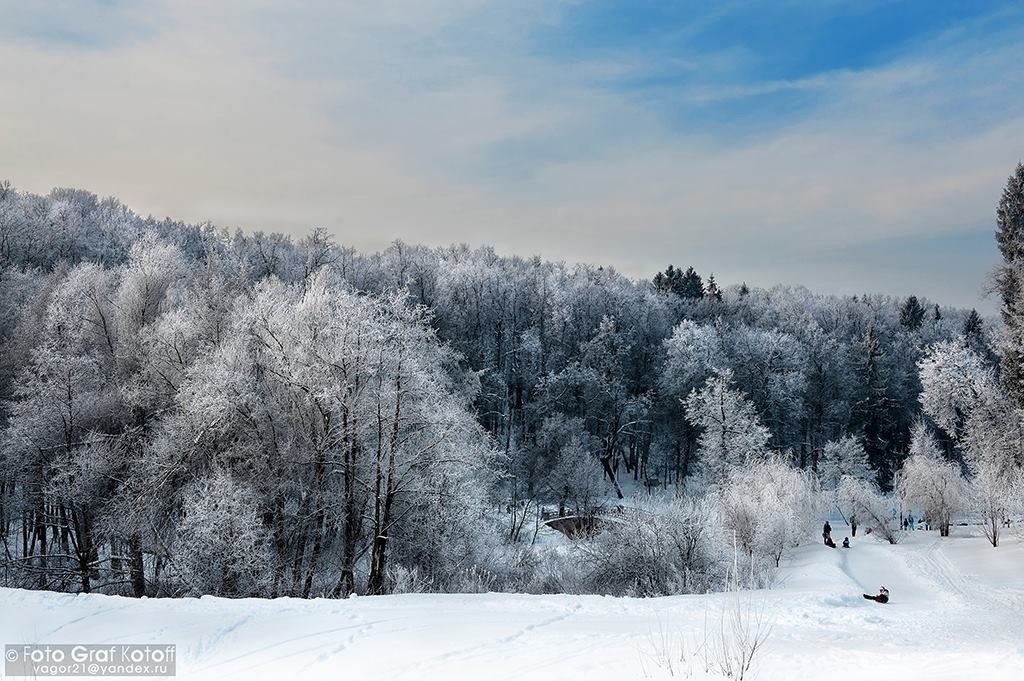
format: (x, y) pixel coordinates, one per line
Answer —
(439, 122)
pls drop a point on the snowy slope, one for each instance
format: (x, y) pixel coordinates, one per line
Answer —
(957, 613)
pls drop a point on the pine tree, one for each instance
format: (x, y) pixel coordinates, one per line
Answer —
(744, 289)
(972, 325)
(711, 290)
(686, 284)
(873, 408)
(1009, 279)
(911, 313)
(938, 313)
(691, 285)
(668, 280)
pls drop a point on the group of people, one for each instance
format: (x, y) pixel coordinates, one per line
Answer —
(826, 533)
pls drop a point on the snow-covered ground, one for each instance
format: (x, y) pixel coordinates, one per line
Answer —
(957, 612)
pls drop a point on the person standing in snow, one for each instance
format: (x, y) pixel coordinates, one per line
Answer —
(906, 524)
(826, 532)
(911, 519)
(853, 524)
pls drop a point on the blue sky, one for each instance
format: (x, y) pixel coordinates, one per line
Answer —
(848, 146)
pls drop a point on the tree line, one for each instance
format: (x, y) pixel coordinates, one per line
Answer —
(187, 409)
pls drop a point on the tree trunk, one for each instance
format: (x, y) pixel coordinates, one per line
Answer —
(136, 569)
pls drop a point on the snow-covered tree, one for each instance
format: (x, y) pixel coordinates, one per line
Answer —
(769, 507)
(862, 499)
(731, 433)
(953, 380)
(961, 393)
(840, 458)
(220, 546)
(930, 483)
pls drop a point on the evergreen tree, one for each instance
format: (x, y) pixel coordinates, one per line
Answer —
(712, 291)
(686, 284)
(938, 313)
(668, 280)
(873, 410)
(972, 325)
(744, 289)
(691, 285)
(1010, 237)
(911, 313)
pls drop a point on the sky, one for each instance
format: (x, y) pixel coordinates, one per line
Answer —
(848, 146)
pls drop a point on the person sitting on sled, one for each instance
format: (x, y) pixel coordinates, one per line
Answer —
(882, 597)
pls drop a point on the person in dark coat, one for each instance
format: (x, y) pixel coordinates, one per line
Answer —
(846, 542)
(826, 532)
(882, 597)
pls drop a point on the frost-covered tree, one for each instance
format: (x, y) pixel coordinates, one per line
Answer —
(843, 457)
(220, 545)
(862, 499)
(961, 393)
(954, 380)
(769, 507)
(769, 367)
(575, 481)
(930, 483)
(973, 325)
(693, 353)
(594, 389)
(731, 433)
(661, 549)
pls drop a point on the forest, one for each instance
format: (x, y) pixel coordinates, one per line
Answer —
(188, 410)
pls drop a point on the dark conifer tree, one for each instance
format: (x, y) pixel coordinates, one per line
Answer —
(911, 313)
(873, 407)
(691, 285)
(972, 325)
(711, 290)
(669, 281)
(1009, 279)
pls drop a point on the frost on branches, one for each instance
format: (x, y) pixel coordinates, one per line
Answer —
(961, 393)
(929, 483)
(731, 434)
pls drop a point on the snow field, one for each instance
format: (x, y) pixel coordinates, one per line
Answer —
(957, 612)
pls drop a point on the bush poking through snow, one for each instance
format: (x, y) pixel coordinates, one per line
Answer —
(669, 652)
(744, 628)
(728, 648)
(658, 550)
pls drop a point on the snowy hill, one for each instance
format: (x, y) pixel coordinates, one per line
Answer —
(956, 613)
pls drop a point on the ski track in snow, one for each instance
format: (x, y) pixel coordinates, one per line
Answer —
(956, 613)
